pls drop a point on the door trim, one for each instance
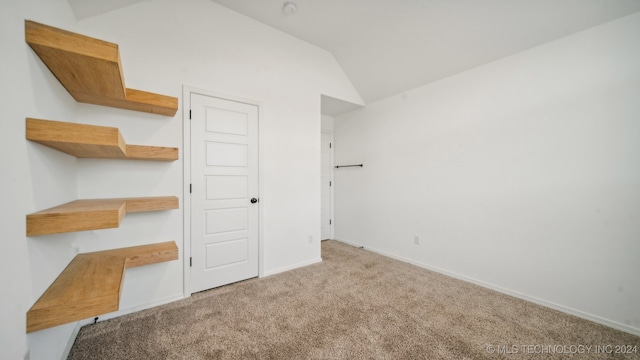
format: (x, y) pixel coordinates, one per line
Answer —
(333, 182)
(187, 91)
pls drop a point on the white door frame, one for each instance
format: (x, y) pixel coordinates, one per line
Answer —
(186, 161)
(333, 184)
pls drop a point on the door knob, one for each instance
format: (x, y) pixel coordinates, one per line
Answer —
(254, 200)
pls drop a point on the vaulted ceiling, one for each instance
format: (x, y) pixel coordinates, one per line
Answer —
(387, 47)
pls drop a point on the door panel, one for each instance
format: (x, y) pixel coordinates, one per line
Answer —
(225, 220)
(222, 154)
(228, 253)
(227, 122)
(222, 187)
(224, 175)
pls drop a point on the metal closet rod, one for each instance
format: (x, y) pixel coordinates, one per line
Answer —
(339, 166)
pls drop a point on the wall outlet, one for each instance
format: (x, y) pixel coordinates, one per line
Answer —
(416, 239)
(310, 239)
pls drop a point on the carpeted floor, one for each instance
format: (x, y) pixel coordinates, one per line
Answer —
(354, 305)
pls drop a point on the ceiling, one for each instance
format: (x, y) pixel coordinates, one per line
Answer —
(87, 8)
(387, 47)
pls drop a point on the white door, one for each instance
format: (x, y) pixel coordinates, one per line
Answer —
(224, 194)
(326, 184)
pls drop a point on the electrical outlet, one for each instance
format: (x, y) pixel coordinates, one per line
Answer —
(310, 239)
(416, 239)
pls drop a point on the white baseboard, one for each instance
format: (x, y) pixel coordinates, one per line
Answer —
(72, 339)
(137, 308)
(291, 267)
(357, 245)
(112, 315)
(132, 309)
(516, 294)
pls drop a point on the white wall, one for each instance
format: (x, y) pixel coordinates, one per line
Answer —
(34, 178)
(523, 174)
(326, 123)
(164, 44)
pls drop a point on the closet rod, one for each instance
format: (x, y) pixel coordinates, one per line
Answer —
(340, 166)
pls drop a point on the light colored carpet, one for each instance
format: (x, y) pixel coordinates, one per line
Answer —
(354, 305)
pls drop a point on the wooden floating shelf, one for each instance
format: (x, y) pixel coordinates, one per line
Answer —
(91, 71)
(95, 214)
(90, 141)
(91, 284)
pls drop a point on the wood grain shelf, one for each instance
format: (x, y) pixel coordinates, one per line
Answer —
(91, 284)
(90, 141)
(90, 69)
(94, 214)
